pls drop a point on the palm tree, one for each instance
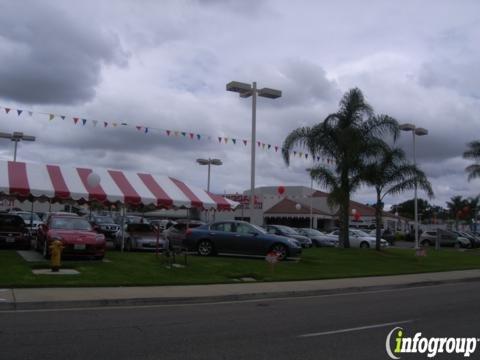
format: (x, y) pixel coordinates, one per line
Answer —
(391, 174)
(349, 136)
(456, 206)
(473, 153)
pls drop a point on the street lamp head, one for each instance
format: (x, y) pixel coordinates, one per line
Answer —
(217, 162)
(407, 127)
(202, 161)
(421, 131)
(244, 89)
(269, 93)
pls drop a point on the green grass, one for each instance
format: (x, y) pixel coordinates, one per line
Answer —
(128, 269)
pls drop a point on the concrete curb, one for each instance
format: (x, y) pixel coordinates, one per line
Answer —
(146, 301)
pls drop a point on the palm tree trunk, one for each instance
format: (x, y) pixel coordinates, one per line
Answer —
(378, 221)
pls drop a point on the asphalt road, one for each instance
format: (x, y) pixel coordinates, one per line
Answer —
(347, 326)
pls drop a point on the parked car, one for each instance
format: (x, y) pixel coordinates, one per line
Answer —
(360, 239)
(287, 231)
(446, 238)
(32, 220)
(239, 237)
(140, 237)
(104, 225)
(13, 232)
(474, 239)
(318, 238)
(176, 233)
(76, 234)
(162, 224)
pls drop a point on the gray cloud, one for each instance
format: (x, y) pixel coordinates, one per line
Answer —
(51, 56)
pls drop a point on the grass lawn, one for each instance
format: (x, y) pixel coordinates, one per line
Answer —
(128, 269)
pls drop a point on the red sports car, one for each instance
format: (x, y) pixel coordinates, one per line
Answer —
(76, 234)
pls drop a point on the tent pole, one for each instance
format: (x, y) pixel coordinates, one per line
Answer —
(123, 227)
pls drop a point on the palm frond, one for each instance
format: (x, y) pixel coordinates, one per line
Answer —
(473, 171)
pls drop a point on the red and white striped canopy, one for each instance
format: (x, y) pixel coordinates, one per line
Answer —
(25, 180)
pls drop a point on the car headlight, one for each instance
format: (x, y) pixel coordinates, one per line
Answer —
(294, 243)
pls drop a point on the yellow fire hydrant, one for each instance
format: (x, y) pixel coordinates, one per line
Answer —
(56, 249)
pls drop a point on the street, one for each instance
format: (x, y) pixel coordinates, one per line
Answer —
(343, 326)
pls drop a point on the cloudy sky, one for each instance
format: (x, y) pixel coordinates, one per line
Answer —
(164, 65)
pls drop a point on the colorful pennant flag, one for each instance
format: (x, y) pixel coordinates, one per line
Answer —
(19, 112)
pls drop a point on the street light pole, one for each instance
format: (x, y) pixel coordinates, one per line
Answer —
(209, 162)
(416, 131)
(16, 137)
(311, 198)
(246, 90)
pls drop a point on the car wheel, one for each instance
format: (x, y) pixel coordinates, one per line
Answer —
(364, 245)
(45, 251)
(281, 250)
(99, 257)
(205, 248)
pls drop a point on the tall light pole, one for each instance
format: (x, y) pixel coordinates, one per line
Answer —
(311, 198)
(246, 90)
(16, 137)
(209, 162)
(416, 131)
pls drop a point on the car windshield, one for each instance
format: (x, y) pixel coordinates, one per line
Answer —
(27, 216)
(313, 232)
(359, 232)
(259, 228)
(70, 223)
(11, 223)
(288, 230)
(104, 220)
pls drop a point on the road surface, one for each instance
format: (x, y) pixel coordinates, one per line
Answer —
(344, 326)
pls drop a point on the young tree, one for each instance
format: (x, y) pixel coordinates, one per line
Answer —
(350, 137)
(391, 174)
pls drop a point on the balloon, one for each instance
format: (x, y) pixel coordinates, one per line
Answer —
(281, 190)
(298, 206)
(93, 180)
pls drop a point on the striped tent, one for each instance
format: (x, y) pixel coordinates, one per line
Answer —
(58, 183)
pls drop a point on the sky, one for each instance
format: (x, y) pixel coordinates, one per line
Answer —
(163, 65)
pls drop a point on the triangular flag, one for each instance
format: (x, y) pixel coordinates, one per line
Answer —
(219, 139)
(245, 142)
(198, 136)
(63, 117)
(51, 117)
(276, 148)
(146, 130)
(300, 153)
(294, 153)
(7, 110)
(184, 133)
(84, 121)
(234, 141)
(124, 124)
(263, 145)
(168, 132)
(191, 135)
(176, 133)
(114, 124)
(95, 122)
(139, 128)
(30, 113)
(269, 146)
(75, 120)
(226, 140)
(306, 156)
(105, 124)
(258, 143)
(19, 112)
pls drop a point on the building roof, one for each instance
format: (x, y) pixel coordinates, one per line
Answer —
(287, 206)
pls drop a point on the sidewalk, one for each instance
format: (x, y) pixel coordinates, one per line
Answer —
(49, 298)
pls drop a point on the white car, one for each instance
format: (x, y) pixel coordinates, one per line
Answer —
(360, 239)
